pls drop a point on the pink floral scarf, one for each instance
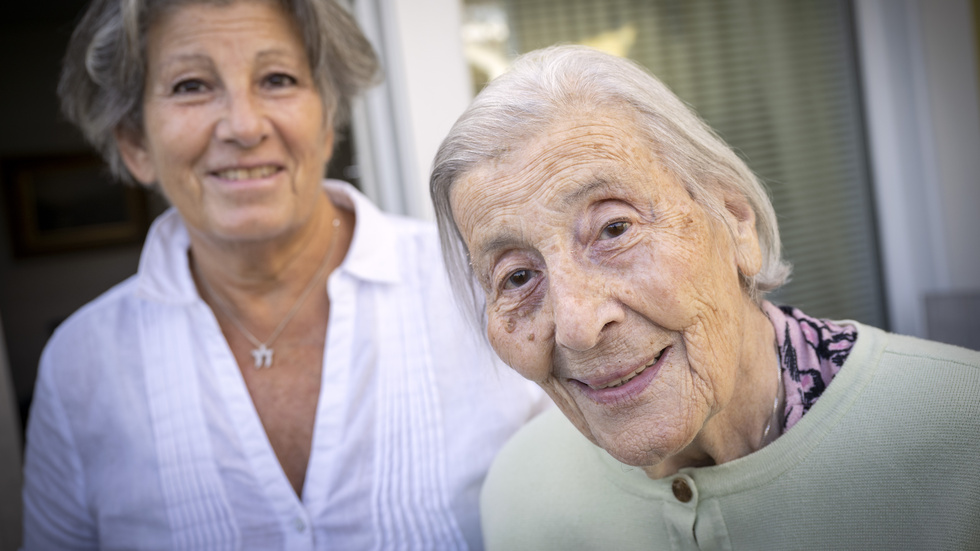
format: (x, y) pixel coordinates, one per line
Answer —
(811, 351)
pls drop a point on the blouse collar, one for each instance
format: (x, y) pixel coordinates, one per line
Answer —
(164, 268)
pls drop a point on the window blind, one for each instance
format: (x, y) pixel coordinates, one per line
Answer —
(778, 80)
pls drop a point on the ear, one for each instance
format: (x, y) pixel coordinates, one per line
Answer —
(135, 155)
(741, 220)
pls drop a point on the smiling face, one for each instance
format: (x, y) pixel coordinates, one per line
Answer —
(609, 286)
(235, 131)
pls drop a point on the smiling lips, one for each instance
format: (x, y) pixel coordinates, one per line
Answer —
(254, 173)
(623, 380)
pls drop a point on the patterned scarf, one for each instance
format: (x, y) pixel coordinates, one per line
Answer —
(811, 351)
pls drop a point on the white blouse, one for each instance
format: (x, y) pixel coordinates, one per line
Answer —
(142, 434)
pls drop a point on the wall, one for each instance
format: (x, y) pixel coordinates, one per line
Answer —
(36, 293)
(10, 459)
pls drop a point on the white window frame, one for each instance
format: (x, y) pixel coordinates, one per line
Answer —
(399, 125)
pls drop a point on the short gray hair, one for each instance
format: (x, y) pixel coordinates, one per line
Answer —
(104, 71)
(545, 85)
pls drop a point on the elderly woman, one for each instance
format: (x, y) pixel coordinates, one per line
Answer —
(285, 370)
(624, 252)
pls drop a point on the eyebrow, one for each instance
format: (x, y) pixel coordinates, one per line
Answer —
(496, 244)
(184, 58)
(583, 192)
(204, 58)
(273, 52)
(566, 201)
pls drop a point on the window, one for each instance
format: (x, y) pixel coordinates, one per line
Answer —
(778, 80)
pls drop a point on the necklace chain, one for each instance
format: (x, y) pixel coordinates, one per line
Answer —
(262, 353)
(775, 406)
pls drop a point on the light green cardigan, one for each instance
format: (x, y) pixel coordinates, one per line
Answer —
(888, 458)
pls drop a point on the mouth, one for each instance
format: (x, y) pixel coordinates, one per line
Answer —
(629, 377)
(252, 173)
(625, 387)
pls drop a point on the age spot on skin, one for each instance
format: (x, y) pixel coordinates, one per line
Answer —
(510, 325)
(530, 336)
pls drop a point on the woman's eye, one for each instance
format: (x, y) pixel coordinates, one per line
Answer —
(189, 86)
(280, 80)
(614, 230)
(518, 278)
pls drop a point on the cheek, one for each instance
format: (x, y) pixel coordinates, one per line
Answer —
(520, 344)
(303, 126)
(310, 139)
(661, 289)
(177, 142)
(713, 341)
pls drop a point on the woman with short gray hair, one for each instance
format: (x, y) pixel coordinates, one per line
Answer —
(284, 371)
(623, 253)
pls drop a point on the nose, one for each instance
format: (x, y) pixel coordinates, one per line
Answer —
(243, 122)
(584, 308)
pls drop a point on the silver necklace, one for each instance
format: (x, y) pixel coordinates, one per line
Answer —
(262, 353)
(775, 406)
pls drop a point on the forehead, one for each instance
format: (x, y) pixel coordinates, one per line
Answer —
(562, 165)
(188, 26)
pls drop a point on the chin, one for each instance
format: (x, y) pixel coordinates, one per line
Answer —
(252, 226)
(640, 454)
(644, 442)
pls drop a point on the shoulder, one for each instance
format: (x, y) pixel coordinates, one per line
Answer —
(541, 479)
(87, 361)
(538, 452)
(941, 381)
(107, 317)
(912, 357)
(541, 448)
(917, 394)
(374, 225)
(550, 488)
(421, 236)
(923, 351)
(524, 479)
(89, 350)
(386, 248)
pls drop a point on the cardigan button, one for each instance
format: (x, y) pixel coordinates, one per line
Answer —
(682, 491)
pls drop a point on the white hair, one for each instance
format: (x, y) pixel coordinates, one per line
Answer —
(546, 85)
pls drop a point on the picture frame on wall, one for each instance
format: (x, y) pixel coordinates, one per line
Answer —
(70, 202)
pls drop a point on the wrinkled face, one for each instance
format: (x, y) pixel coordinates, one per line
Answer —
(235, 132)
(608, 285)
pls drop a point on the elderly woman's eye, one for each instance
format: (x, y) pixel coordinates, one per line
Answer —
(614, 230)
(518, 278)
(280, 80)
(189, 86)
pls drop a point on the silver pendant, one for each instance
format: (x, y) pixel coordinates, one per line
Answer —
(263, 356)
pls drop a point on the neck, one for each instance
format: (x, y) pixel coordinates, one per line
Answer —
(260, 279)
(736, 430)
(260, 265)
